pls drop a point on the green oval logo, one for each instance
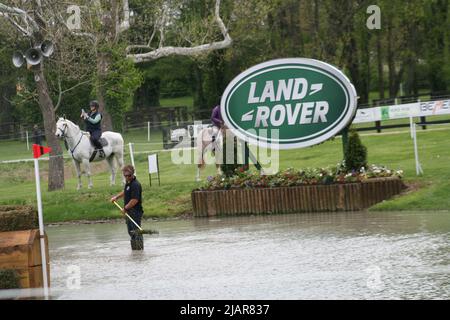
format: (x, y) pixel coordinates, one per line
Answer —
(288, 103)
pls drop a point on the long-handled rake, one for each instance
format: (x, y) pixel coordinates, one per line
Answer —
(141, 231)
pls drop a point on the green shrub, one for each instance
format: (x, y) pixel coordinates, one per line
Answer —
(231, 169)
(355, 152)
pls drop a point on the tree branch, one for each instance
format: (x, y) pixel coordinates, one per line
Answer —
(76, 33)
(85, 34)
(187, 51)
(125, 24)
(21, 29)
(61, 92)
(6, 10)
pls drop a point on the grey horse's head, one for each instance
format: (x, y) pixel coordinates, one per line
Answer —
(61, 128)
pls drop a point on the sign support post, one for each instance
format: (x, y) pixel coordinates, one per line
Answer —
(153, 167)
(132, 157)
(419, 170)
(344, 140)
(37, 152)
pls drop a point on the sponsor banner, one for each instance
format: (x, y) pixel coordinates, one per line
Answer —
(431, 108)
(299, 102)
(367, 115)
(384, 113)
(401, 111)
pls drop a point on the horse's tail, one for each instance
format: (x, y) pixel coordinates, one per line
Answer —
(119, 156)
(200, 151)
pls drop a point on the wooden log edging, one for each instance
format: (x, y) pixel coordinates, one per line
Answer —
(307, 198)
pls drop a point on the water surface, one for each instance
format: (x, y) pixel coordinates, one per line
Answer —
(358, 255)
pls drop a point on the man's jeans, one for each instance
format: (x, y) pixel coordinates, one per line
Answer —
(137, 240)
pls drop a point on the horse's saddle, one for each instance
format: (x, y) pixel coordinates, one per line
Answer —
(102, 140)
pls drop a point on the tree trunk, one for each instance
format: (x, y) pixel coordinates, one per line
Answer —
(197, 86)
(102, 69)
(353, 67)
(296, 27)
(380, 67)
(365, 68)
(107, 40)
(391, 62)
(436, 46)
(56, 161)
(316, 28)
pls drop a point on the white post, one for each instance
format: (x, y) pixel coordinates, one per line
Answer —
(411, 124)
(41, 227)
(416, 153)
(148, 131)
(132, 157)
(28, 143)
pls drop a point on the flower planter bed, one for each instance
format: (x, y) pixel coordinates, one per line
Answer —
(305, 198)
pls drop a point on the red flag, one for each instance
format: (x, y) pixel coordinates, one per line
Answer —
(40, 150)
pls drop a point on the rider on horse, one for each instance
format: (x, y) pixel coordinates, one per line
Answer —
(93, 126)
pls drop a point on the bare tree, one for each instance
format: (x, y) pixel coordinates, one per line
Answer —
(162, 50)
(35, 20)
(103, 23)
(32, 26)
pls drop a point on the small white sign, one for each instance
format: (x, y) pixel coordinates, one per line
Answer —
(153, 163)
(367, 115)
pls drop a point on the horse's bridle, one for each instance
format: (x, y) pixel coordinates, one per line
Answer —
(63, 131)
(63, 136)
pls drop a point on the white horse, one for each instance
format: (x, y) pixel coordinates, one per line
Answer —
(205, 143)
(81, 149)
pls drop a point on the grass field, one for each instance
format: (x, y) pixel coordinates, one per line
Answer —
(176, 102)
(392, 148)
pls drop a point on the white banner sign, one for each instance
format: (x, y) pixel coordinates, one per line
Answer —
(431, 108)
(367, 115)
(399, 111)
(153, 163)
(403, 110)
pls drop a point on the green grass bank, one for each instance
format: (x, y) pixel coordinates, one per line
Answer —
(392, 148)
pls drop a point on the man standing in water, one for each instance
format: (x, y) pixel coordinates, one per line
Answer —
(132, 195)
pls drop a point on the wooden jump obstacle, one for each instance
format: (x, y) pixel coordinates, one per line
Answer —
(305, 198)
(20, 249)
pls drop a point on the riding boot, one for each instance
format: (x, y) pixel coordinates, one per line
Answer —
(137, 243)
(101, 153)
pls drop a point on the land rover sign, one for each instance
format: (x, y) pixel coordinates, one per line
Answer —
(307, 101)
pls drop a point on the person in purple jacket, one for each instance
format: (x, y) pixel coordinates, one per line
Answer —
(216, 117)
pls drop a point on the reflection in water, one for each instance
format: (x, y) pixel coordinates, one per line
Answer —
(398, 255)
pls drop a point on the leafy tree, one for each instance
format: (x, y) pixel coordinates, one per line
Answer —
(121, 83)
